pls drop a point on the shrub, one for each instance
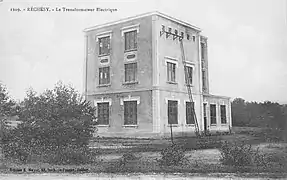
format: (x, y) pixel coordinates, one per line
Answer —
(172, 155)
(236, 154)
(121, 164)
(128, 156)
(52, 122)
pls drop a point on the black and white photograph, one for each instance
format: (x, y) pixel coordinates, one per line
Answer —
(143, 89)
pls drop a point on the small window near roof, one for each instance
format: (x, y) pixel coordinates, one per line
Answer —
(187, 36)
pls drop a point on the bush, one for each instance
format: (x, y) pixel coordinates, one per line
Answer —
(172, 155)
(128, 156)
(52, 122)
(236, 154)
(121, 164)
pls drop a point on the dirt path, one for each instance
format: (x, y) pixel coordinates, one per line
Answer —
(210, 156)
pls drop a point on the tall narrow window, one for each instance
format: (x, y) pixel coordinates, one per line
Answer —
(204, 110)
(171, 72)
(189, 113)
(172, 112)
(103, 113)
(131, 40)
(104, 46)
(189, 71)
(204, 80)
(131, 72)
(130, 112)
(223, 114)
(202, 51)
(104, 75)
(212, 113)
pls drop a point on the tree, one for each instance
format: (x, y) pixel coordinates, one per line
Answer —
(6, 110)
(239, 113)
(53, 121)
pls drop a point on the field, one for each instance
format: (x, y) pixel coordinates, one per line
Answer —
(202, 155)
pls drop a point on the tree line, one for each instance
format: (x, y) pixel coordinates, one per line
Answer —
(258, 114)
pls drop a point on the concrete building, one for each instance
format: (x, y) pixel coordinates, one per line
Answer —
(135, 77)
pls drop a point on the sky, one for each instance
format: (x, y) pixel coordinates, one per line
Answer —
(247, 41)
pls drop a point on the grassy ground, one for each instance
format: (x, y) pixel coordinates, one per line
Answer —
(202, 155)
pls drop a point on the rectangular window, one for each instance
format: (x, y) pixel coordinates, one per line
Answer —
(104, 46)
(202, 51)
(204, 109)
(223, 114)
(189, 71)
(171, 72)
(104, 75)
(130, 112)
(212, 113)
(203, 80)
(131, 40)
(172, 112)
(103, 113)
(187, 36)
(189, 113)
(131, 72)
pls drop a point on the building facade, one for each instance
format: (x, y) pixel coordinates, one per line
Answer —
(135, 77)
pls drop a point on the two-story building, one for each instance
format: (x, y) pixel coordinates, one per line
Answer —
(135, 76)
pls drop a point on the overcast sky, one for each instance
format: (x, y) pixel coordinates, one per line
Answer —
(247, 43)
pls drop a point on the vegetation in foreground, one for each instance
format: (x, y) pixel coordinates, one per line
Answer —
(50, 119)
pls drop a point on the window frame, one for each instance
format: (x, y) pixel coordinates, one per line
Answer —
(134, 41)
(99, 104)
(172, 61)
(215, 115)
(135, 27)
(192, 75)
(99, 38)
(172, 111)
(225, 114)
(133, 70)
(189, 110)
(102, 100)
(108, 78)
(204, 79)
(127, 106)
(203, 51)
(171, 72)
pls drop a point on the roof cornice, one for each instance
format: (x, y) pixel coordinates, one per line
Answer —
(141, 16)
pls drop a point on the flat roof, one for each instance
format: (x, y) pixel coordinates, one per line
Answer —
(141, 16)
(216, 96)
